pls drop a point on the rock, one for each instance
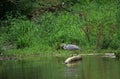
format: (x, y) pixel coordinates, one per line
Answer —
(110, 55)
(73, 59)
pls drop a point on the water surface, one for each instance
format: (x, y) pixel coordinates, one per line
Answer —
(91, 67)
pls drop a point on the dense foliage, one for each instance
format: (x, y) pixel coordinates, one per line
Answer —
(45, 24)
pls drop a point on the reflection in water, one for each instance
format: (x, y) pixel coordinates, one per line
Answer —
(101, 68)
(73, 64)
(53, 68)
(73, 71)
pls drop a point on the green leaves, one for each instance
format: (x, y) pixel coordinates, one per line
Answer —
(22, 33)
(91, 24)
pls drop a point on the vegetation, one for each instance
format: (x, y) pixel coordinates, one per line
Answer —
(41, 26)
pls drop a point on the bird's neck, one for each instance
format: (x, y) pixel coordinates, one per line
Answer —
(64, 47)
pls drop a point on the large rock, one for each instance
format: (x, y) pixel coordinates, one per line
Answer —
(73, 59)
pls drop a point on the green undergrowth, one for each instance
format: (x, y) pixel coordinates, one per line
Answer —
(93, 26)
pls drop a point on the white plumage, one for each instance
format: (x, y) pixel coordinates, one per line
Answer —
(70, 47)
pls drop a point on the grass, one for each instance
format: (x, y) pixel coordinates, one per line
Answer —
(92, 26)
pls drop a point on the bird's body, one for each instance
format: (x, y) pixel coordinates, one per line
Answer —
(70, 47)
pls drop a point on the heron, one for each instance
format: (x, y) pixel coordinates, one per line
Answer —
(70, 47)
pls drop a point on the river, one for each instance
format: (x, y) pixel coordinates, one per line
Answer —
(91, 67)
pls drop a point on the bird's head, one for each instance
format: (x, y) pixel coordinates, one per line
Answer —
(62, 45)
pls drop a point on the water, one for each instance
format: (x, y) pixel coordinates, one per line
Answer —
(91, 67)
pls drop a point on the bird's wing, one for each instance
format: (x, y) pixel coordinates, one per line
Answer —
(72, 47)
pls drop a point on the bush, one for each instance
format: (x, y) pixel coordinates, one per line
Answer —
(91, 25)
(22, 33)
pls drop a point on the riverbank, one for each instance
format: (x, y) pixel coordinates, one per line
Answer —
(20, 54)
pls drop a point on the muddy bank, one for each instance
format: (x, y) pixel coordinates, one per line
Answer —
(18, 57)
(8, 58)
